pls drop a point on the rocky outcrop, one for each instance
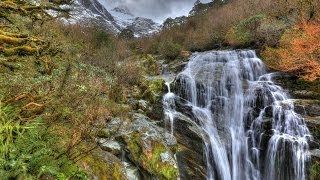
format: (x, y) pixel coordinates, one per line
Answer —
(93, 10)
(143, 26)
(298, 88)
(151, 148)
(190, 156)
(103, 165)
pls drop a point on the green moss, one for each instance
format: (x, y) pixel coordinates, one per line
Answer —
(154, 90)
(315, 171)
(150, 159)
(104, 133)
(21, 50)
(134, 145)
(98, 167)
(117, 172)
(11, 40)
(164, 169)
(156, 86)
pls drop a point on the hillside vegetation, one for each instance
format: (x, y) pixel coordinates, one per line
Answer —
(60, 84)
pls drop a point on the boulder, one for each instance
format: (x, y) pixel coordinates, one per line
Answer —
(150, 148)
(103, 165)
(132, 171)
(111, 146)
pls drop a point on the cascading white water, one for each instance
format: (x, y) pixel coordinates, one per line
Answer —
(169, 106)
(253, 131)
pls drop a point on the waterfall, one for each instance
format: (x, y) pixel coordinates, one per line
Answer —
(252, 131)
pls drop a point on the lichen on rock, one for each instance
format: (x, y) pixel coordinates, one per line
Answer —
(148, 148)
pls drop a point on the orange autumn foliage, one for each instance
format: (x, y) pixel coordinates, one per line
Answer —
(298, 52)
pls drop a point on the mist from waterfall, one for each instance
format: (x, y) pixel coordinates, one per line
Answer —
(252, 131)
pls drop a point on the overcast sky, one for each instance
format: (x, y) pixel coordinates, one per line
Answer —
(158, 10)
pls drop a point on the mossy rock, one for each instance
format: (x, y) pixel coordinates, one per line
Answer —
(104, 133)
(157, 86)
(103, 165)
(315, 171)
(150, 156)
(155, 90)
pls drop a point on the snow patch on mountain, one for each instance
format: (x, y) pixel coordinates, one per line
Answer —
(122, 16)
(115, 20)
(139, 25)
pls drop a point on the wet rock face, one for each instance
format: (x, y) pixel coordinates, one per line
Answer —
(110, 146)
(190, 155)
(308, 107)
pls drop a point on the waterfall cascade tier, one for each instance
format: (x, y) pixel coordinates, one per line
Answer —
(251, 130)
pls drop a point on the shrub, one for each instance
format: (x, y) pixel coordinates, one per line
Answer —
(299, 51)
(128, 73)
(126, 34)
(149, 65)
(245, 31)
(170, 49)
(315, 171)
(270, 31)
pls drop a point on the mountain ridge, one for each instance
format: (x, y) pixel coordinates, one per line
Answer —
(115, 20)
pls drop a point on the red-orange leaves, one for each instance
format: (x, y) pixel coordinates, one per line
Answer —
(299, 51)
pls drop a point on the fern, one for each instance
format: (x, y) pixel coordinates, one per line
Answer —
(29, 151)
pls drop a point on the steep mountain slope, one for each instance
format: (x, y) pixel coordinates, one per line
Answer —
(94, 10)
(115, 19)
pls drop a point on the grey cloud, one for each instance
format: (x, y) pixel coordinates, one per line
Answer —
(154, 9)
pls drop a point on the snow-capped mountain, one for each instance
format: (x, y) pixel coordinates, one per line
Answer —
(139, 25)
(123, 10)
(143, 26)
(115, 19)
(93, 10)
(122, 15)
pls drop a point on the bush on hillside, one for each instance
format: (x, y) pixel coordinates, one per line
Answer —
(245, 31)
(270, 31)
(299, 51)
(170, 49)
(126, 34)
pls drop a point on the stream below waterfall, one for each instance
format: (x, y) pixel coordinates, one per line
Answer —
(249, 127)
